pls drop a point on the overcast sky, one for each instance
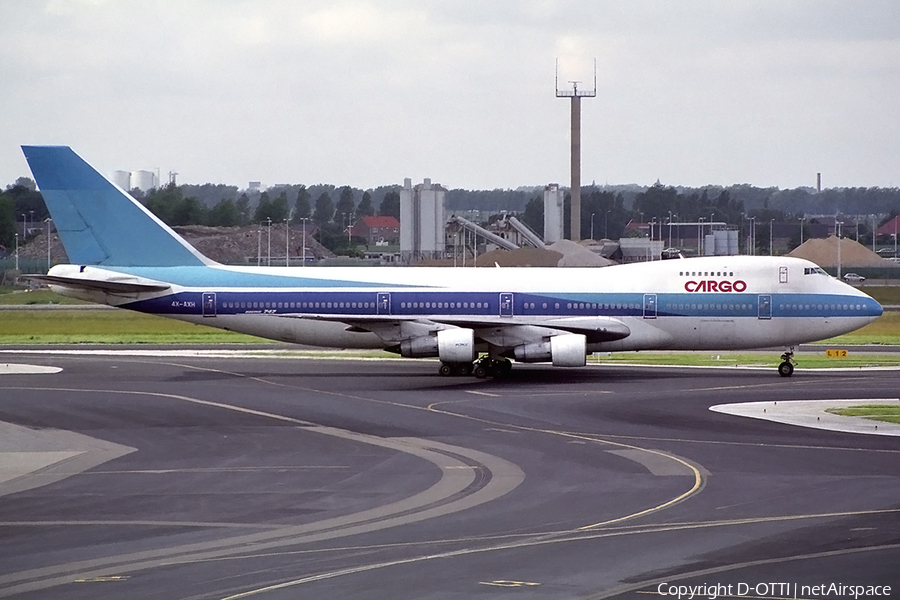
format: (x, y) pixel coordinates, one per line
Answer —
(367, 93)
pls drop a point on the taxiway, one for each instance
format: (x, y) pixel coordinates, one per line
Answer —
(193, 477)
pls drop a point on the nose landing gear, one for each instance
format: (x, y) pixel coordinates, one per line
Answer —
(786, 368)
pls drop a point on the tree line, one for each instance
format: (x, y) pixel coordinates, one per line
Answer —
(605, 209)
(332, 211)
(606, 214)
(174, 207)
(802, 200)
(20, 204)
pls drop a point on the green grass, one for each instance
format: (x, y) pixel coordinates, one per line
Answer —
(10, 296)
(108, 327)
(883, 294)
(889, 413)
(885, 330)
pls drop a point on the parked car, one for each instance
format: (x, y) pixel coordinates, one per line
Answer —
(853, 278)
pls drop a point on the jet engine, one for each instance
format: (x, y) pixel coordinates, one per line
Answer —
(456, 345)
(450, 345)
(567, 350)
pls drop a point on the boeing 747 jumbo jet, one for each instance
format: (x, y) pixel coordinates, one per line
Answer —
(473, 320)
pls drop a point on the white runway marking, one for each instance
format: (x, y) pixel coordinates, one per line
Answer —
(20, 369)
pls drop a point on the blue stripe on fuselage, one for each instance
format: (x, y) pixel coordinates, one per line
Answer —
(414, 303)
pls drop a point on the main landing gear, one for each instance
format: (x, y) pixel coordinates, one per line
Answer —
(482, 368)
(786, 368)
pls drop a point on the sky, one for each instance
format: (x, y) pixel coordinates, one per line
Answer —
(367, 93)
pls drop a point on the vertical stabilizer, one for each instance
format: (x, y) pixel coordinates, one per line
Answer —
(98, 222)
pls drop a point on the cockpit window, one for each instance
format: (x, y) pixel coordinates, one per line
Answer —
(815, 271)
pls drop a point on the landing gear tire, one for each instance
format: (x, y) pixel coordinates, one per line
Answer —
(502, 368)
(447, 370)
(480, 371)
(785, 369)
(465, 369)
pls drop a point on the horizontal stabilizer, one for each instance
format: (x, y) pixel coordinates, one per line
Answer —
(99, 285)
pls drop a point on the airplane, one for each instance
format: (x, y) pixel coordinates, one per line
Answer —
(475, 321)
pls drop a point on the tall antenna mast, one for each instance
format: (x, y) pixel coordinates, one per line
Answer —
(576, 95)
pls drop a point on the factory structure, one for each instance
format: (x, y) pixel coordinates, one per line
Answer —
(553, 213)
(142, 180)
(422, 221)
(429, 233)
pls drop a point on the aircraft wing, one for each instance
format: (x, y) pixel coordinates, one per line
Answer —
(596, 328)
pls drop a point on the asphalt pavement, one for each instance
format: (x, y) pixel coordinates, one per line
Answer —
(236, 477)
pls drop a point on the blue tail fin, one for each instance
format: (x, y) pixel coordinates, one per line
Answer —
(98, 223)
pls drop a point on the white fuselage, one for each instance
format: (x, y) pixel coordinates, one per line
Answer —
(723, 303)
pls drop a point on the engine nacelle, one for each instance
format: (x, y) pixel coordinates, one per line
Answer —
(424, 346)
(450, 345)
(456, 345)
(567, 350)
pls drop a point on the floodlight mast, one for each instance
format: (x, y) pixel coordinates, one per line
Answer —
(575, 170)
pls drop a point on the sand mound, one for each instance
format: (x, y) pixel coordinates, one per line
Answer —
(564, 253)
(576, 255)
(825, 253)
(523, 257)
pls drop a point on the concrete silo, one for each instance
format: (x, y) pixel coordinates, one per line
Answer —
(421, 221)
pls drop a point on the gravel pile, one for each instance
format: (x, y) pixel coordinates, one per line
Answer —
(522, 257)
(576, 255)
(824, 252)
(564, 253)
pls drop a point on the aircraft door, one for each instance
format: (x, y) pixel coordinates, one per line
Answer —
(383, 303)
(209, 304)
(765, 306)
(506, 304)
(649, 306)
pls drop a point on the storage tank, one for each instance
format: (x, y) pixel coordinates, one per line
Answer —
(726, 242)
(709, 244)
(721, 242)
(122, 179)
(422, 221)
(143, 180)
(553, 213)
(733, 249)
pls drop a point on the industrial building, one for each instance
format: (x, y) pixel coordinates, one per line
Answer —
(553, 213)
(422, 221)
(129, 180)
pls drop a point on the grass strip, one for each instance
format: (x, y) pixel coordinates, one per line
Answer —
(10, 296)
(885, 330)
(884, 294)
(109, 327)
(889, 413)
